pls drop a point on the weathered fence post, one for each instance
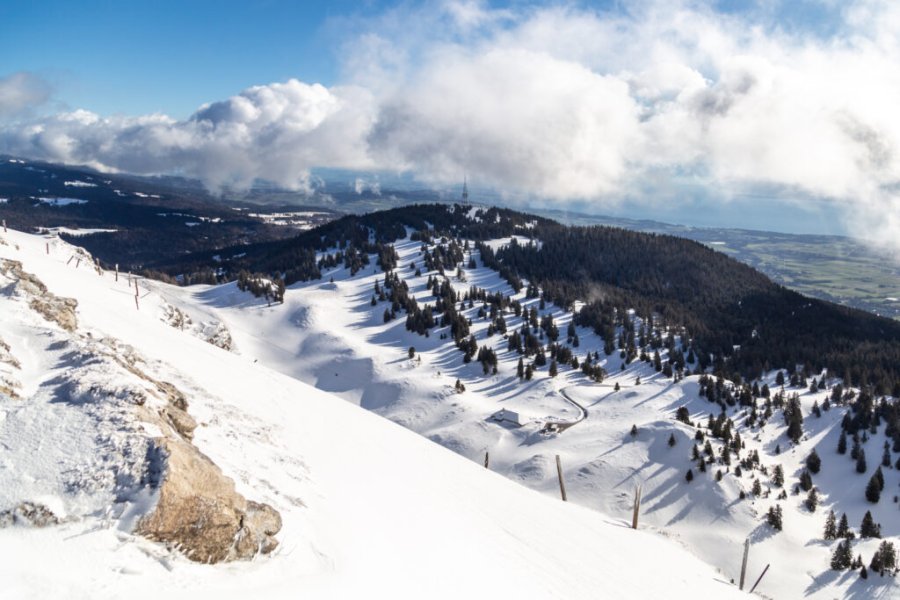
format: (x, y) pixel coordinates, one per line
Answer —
(562, 484)
(77, 263)
(637, 507)
(486, 459)
(117, 271)
(760, 579)
(744, 562)
(70, 260)
(48, 248)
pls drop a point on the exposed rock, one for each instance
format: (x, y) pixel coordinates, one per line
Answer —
(200, 513)
(183, 423)
(53, 308)
(28, 514)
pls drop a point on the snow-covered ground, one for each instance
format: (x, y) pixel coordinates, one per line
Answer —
(368, 507)
(329, 335)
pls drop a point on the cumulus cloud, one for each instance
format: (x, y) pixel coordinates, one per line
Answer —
(275, 132)
(22, 92)
(558, 103)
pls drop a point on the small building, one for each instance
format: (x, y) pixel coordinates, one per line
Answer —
(507, 417)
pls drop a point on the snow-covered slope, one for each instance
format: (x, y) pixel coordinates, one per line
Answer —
(330, 335)
(368, 508)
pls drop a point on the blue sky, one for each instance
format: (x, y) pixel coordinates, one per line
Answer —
(684, 109)
(169, 56)
(164, 56)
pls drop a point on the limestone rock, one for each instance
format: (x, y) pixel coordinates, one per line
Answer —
(200, 513)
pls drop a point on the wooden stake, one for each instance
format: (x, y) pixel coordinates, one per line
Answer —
(48, 247)
(486, 460)
(117, 271)
(137, 304)
(70, 260)
(77, 263)
(637, 507)
(760, 579)
(562, 484)
(744, 562)
(4, 225)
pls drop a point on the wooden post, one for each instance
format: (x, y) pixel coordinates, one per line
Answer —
(77, 263)
(137, 304)
(48, 248)
(760, 579)
(562, 484)
(4, 225)
(117, 271)
(486, 459)
(70, 260)
(744, 562)
(637, 507)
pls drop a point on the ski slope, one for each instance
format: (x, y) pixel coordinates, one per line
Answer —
(328, 335)
(369, 507)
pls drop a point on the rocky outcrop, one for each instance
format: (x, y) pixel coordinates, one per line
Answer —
(200, 513)
(198, 510)
(28, 514)
(53, 308)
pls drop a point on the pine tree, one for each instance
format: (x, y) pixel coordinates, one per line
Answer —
(757, 488)
(868, 528)
(861, 462)
(886, 457)
(873, 490)
(554, 369)
(778, 476)
(813, 462)
(830, 528)
(689, 476)
(842, 443)
(887, 555)
(812, 500)
(843, 530)
(842, 557)
(520, 369)
(805, 481)
(774, 517)
(672, 441)
(879, 476)
(634, 430)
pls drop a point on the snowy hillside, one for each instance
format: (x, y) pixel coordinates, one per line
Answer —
(91, 388)
(334, 333)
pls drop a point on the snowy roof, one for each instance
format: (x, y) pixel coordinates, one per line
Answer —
(507, 415)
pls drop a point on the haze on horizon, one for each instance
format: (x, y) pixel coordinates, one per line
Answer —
(739, 113)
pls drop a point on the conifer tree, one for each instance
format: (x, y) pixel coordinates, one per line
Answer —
(689, 476)
(842, 556)
(842, 443)
(805, 481)
(813, 462)
(553, 368)
(774, 517)
(861, 461)
(520, 369)
(778, 476)
(830, 527)
(873, 490)
(671, 440)
(812, 500)
(843, 530)
(868, 528)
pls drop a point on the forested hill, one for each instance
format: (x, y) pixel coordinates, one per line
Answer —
(739, 320)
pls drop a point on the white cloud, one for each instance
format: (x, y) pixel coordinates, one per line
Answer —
(22, 92)
(560, 103)
(275, 132)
